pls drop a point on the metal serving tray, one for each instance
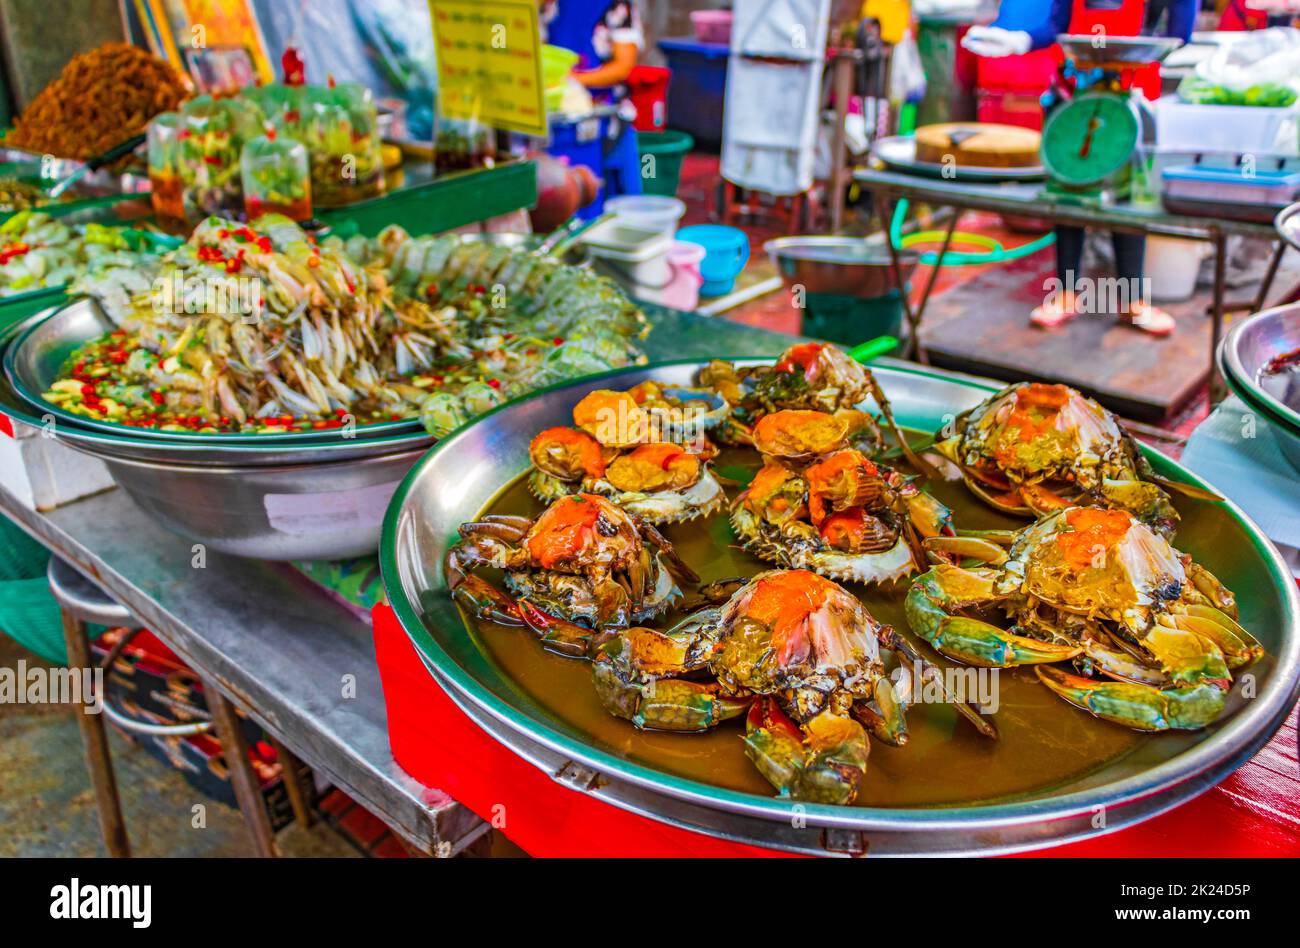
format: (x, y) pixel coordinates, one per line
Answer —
(1244, 352)
(459, 477)
(898, 152)
(32, 363)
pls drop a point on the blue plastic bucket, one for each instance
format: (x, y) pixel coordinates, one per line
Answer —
(726, 251)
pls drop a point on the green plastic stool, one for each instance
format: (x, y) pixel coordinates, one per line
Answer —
(28, 613)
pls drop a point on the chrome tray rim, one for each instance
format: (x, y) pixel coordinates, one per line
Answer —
(911, 165)
(1227, 748)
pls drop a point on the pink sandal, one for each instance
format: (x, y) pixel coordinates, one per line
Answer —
(1057, 312)
(1149, 319)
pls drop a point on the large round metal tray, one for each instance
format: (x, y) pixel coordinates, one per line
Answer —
(1287, 223)
(33, 361)
(456, 480)
(898, 152)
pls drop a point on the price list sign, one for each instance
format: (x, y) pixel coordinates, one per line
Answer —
(490, 63)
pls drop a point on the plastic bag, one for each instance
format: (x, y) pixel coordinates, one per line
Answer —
(906, 74)
(1261, 69)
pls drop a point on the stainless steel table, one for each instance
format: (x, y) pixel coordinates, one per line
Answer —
(282, 649)
(1029, 200)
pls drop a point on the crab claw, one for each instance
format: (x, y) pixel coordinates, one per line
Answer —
(944, 589)
(556, 634)
(1138, 706)
(485, 601)
(823, 764)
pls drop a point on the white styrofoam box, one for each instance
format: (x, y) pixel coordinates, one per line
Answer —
(1233, 129)
(44, 474)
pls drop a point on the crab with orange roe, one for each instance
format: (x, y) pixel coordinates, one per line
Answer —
(798, 655)
(819, 504)
(1153, 635)
(613, 451)
(584, 564)
(1032, 449)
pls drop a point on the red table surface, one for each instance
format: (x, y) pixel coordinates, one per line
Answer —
(1254, 812)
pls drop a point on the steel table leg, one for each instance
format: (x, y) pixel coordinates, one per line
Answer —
(1267, 284)
(234, 749)
(299, 798)
(913, 345)
(1217, 390)
(95, 738)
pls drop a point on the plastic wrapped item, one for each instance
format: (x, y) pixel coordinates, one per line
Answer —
(166, 192)
(276, 176)
(340, 127)
(212, 136)
(460, 144)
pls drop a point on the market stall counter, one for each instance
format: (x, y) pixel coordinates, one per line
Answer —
(1031, 201)
(282, 648)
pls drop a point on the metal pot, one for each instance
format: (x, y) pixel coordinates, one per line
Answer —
(844, 266)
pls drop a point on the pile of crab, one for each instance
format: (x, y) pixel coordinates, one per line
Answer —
(1117, 621)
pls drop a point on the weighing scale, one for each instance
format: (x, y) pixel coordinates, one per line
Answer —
(1095, 142)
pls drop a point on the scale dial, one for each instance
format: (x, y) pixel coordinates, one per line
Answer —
(1089, 138)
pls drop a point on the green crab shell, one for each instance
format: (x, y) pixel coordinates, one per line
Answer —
(702, 499)
(888, 566)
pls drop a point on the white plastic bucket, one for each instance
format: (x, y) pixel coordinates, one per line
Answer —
(1172, 264)
(650, 211)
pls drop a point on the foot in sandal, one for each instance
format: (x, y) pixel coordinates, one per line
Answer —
(1149, 319)
(1058, 310)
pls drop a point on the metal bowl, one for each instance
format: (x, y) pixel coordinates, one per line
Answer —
(844, 266)
(1244, 353)
(481, 458)
(33, 360)
(1115, 50)
(1287, 224)
(577, 255)
(314, 511)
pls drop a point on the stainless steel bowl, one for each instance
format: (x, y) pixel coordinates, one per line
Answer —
(455, 481)
(33, 360)
(311, 511)
(1132, 50)
(845, 266)
(1287, 223)
(1243, 355)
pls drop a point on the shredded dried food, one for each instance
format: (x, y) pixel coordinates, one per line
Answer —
(100, 99)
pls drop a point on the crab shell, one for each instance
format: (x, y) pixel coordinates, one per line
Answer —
(702, 499)
(1033, 432)
(807, 551)
(1096, 563)
(793, 631)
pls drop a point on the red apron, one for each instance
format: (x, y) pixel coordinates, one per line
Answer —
(1124, 21)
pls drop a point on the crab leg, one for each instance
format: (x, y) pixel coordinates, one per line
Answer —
(891, 638)
(928, 470)
(1138, 706)
(936, 594)
(1239, 647)
(556, 635)
(825, 763)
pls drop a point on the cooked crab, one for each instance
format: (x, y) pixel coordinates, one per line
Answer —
(799, 653)
(811, 376)
(818, 504)
(611, 452)
(1033, 448)
(584, 561)
(1101, 588)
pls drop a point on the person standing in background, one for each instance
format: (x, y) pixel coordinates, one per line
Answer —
(1024, 25)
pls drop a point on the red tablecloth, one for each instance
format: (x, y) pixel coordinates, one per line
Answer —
(1254, 812)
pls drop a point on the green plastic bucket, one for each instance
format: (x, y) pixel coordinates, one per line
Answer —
(850, 320)
(663, 174)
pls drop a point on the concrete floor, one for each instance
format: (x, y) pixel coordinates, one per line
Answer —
(47, 807)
